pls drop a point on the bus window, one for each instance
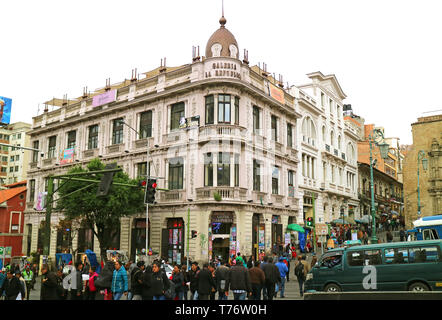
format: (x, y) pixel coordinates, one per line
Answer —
(332, 260)
(397, 255)
(372, 257)
(355, 258)
(364, 258)
(423, 254)
(430, 234)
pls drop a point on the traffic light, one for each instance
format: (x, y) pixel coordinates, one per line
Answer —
(149, 195)
(194, 234)
(106, 180)
(309, 222)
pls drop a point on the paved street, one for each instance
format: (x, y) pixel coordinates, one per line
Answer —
(291, 287)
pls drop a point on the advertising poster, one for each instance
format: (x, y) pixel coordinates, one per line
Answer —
(104, 98)
(67, 156)
(5, 109)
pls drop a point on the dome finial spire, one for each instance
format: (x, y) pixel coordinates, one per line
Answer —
(223, 20)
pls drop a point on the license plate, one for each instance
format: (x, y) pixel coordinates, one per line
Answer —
(438, 284)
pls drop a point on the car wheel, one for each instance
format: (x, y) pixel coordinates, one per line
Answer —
(332, 287)
(418, 286)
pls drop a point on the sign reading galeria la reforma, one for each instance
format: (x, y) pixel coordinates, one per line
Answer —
(104, 98)
(5, 109)
(222, 68)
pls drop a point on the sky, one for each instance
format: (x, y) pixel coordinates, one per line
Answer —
(386, 55)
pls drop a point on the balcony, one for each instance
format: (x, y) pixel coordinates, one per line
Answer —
(91, 153)
(258, 195)
(226, 193)
(175, 136)
(33, 165)
(276, 199)
(49, 162)
(115, 148)
(143, 143)
(221, 131)
(172, 196)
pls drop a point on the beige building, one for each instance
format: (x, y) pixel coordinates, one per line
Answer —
(427, 137)
(216, 129)
(14, 161)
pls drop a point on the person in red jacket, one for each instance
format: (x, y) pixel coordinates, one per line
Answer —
(91, 290)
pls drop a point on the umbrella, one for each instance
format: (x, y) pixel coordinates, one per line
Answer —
(295, 227)
(364, 219)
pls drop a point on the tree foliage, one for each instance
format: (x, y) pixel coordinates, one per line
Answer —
(103, 213)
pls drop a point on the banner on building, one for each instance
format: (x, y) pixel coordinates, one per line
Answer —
(41, 201)
(5, 110)
(276, 93)
(67, 156)
(104, 98)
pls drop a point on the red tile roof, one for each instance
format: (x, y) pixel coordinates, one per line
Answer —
(7, 194)
(16, 184)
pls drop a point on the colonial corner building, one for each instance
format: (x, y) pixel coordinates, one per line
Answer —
(427, 138)
(222, 137)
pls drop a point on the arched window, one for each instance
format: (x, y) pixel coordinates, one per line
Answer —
(323, 133)
(350, 153)
(339, 142)
(308, 131)
(332, 138)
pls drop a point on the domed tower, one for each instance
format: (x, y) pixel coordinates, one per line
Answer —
(222, 43)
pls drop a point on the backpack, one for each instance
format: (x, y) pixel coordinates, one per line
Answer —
(299, 270)
(170, 293)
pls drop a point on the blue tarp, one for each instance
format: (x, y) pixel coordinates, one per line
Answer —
(302, 237)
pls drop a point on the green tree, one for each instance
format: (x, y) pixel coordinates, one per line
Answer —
(101, 214)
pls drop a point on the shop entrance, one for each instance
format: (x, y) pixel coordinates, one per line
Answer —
(172, 246)
(277, 240)
(258, 244)
(222, 235)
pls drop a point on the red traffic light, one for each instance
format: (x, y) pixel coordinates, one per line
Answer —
(154, 185)
(143, 183)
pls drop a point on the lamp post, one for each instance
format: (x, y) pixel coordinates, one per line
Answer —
(375, 137)
(420, 155)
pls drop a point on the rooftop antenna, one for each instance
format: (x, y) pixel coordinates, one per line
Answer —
(84, 93)
(134, 75)
(107, 88)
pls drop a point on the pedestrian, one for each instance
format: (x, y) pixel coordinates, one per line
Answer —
(77, 282)
(23, 292)
(104, 280)
(389, 236)
(239, 281)
(185, 274)
(137, 281)
(178, 280)
(205, 282)
(34, 270)
(129, 268)
(160, 283)
(301, 270)
(11, 287)
(48, 284)
(212, 269)
(61, 291)
(365, 238)
(119, 281)
(402, 234)
(28, 276)
(264, 288)
(287, 263)
(283, 270)
(314, 260)
(147, 284)
(91, 289)
(221, 277)
(257, 280)
(2, 280)
(194, 280)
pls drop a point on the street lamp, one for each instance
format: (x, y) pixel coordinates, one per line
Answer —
(420, 155)
(375, 137)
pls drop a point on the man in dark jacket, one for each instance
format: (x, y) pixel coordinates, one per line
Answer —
(147, 284)
(194, 280)
(49, 284)
(160, 284)
(137, 281)
(221, 277)
(272, 277)
(12, 287)
(239, 281)
(205, 282)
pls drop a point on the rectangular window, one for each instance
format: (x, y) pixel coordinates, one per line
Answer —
(236, 110)
(12, 158)
(331, 106)
(176, 113)
(71, 139)
(289, 135)
(236, 170)
(4, 169)
(141, 170)
(291, 183)
(396, 256)
(224, 108)
(17, 157)
(423, 254)
(32, 190)
(5, 159)
(210, 109)
(146, 124)
(176, 171)
(275, 180)
(256, 176)
(117, 131)
(364, 258)
(35, 145)
(51, 147)
(256, 126)
(208, 170)
(223, 169)
(92, 142)
(322, 99)
(11, 169)
(18, 135)
(274, 121)
(16, 168)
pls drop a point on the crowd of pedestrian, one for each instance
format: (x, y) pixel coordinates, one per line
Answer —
(16, 284)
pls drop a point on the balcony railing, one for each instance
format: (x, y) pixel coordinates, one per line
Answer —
(327, 147)
(217, 131)
(336, 152)
(226, 193)
(172, 195)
